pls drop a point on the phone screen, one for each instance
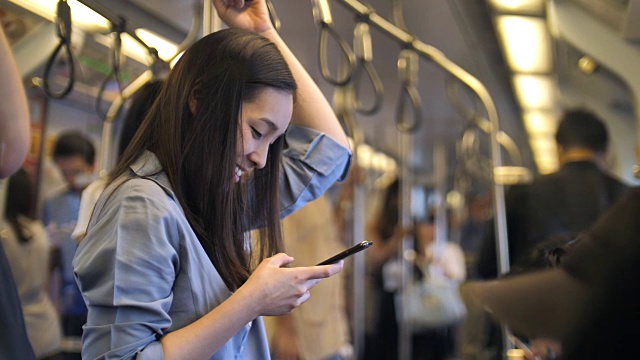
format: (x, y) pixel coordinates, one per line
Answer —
(350, 251)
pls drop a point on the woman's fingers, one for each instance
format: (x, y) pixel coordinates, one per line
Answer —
(279, 290)
(238, 4)
(280, 260)
(322, 271)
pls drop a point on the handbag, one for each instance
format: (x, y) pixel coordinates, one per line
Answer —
(431, 303)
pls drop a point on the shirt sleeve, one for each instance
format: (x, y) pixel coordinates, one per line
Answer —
(312, 162)
(126, 268)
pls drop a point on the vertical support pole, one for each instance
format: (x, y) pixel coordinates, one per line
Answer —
(405, 332)
(359, 278)
(441, 221)
(210, 20)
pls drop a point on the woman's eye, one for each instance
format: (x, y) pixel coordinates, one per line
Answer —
(256, 134)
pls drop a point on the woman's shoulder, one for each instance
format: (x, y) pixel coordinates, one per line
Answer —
(130, 196)
(132, 205)
(129, 187)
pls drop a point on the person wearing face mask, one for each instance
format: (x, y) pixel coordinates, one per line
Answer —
(238, 137)
(74, 155)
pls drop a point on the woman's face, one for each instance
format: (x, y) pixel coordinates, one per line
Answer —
(263, 120)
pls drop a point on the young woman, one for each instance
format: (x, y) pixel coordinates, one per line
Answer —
(165, 268)
(28, 250)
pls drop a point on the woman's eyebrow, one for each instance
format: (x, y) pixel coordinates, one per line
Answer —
(272, 126)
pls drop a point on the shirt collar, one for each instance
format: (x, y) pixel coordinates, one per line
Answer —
(148, 166)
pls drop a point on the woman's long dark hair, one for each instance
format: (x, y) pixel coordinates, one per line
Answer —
(19, 203)
(198, 151)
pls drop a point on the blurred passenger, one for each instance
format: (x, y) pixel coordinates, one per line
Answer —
(386, 233)
(546, 255)
(591, 302)
(27, 247)
(478, 328)
(14, 144)
(606, 260)
(564, 202)
(74, 154)
(438, 262)
(318, 329)
(474, 227)
(140, 104)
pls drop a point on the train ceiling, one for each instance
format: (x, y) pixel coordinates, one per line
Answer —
(464, 30)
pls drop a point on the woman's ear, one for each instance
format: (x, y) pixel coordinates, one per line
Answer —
(193, 104)
(196, 94)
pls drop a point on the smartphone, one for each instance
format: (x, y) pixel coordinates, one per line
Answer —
(350, 251)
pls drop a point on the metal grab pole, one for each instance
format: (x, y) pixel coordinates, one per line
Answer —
(207, 15)
(210, 20)
(343, 103)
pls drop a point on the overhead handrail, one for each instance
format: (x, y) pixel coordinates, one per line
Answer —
(431, 53)
(106, 13)
(364, 56)
(192, 35)
(397, 15)
(479, 121)
(63, 28)
(322, 16)
(151, 74)
(409, 95)
(454, 99)
(114, 72)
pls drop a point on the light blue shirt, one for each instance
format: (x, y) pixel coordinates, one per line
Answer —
(143, 272)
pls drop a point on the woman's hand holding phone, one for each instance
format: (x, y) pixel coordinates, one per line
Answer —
(276, 290)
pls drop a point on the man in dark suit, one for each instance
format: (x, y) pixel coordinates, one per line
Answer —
(565, 202)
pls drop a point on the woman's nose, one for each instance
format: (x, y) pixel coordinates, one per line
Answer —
(259, 156)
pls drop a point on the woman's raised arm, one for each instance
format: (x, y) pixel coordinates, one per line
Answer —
(311, 110)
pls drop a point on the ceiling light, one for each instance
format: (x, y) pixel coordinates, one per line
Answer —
(526, 43)
(540, 122)
(546, 163)
(130, 47)
(166, 49)
(546, 144)
(545, 153)
(535, 91)
(81, 15)
(519, 6)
